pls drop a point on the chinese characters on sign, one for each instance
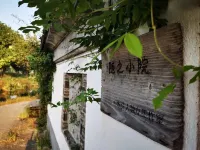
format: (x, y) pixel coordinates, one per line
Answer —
(117, 67)
(150, 115)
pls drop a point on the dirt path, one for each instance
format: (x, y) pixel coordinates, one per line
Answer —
(9, 115)
(16, 134)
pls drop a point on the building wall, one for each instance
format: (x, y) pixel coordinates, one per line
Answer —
(105, 133)
(187, 12)
(102, 132)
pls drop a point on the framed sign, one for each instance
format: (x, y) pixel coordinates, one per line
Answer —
(129, 85)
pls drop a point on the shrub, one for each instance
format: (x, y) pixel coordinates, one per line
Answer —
(2, 99)
(41, 123)
(24, 94)
(20, 86)
(33, 93)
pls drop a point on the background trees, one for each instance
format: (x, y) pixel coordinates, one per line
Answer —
(14, 49)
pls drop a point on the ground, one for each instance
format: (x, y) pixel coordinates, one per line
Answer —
(16, 133)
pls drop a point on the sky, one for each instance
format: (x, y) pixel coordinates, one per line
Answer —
(9, 8)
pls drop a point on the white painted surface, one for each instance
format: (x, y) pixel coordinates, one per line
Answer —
(102, 132)
(187, 12)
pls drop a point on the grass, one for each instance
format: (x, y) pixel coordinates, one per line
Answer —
(25, 114)
(18, 99)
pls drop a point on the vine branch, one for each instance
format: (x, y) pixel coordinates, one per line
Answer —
(156, 40)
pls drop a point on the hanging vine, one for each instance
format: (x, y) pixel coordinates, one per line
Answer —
(41, 61)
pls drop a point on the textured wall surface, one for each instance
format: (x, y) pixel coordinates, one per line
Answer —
(187, 12)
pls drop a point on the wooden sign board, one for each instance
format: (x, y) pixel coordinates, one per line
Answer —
(130, 84)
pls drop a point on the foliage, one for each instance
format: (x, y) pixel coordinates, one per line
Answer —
(20, 86)
(43, 141)
(96, 64)
(106, 27)
(133, 45)
(99, 25)
(14, 49)
(162, 95)
(41, 61)
(90, 95)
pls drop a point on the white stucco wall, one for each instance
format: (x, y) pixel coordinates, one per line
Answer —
(101, 132)
(187, 12)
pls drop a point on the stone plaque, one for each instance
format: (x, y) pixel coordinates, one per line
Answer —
(130, 84)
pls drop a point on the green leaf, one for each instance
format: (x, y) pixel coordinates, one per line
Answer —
(58, 103)
(107, 23)
(83, 5)
(23, 2)
(196, 69)
(53, 105)
(39, 22)
(133, 45)
(58, 27)
(113, 17)
(96, 2)
(71, 8)
(31, 4)
(178, 72)
(119, 42)
(90, 99)
(187, 68)
(22, 28)
(136, 14)
(195, 77)
(28, 30)
(95, 20)
(157, 101)
(121, 13)
(29, 27)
